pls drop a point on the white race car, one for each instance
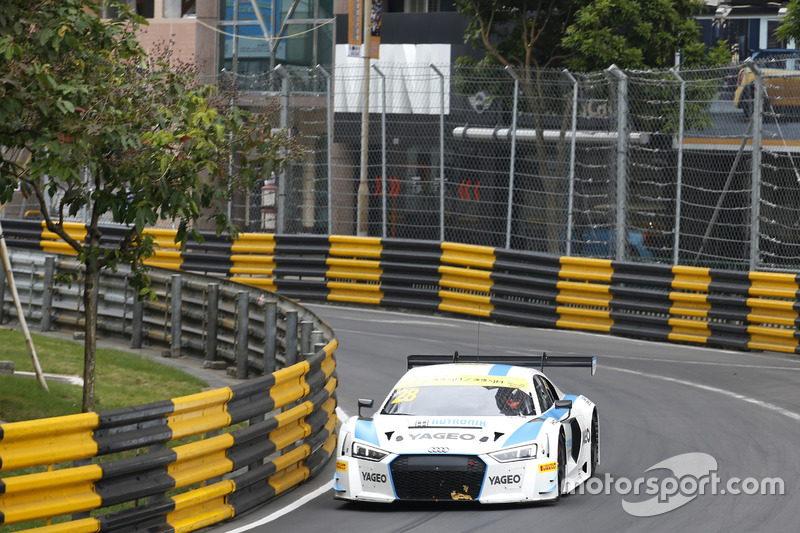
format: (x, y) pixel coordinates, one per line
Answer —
(473, 428)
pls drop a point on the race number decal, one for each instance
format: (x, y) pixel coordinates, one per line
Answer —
(405, 395)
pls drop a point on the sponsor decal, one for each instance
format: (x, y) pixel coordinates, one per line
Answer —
(451, 422)
(374, 477)
(477, 381)
(513, 479)
(442, 436)
(548, 467)
(341, 465)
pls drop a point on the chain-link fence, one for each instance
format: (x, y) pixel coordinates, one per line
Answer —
(670, 166)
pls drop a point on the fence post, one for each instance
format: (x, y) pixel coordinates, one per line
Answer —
(212, 321)
(270, 335)
(329, 130)
(291, 338)
(175, 300)
(755, 186)
(383, 150)
(47, 292)
(242, 325)
(511, 169)
(280, 223)
(441, 151)
(679, 184)
(621, 231)
(572, 145)
(137, 321)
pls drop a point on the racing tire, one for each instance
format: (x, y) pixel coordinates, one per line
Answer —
(595, 445)
(561, 467)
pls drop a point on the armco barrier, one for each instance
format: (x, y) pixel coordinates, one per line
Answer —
(142, 467)
(755, 310)
(742, 310)
(289, 437)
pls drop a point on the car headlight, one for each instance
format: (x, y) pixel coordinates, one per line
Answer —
(362, 451)
(520, 453)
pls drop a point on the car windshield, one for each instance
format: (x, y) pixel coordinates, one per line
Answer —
(459, 400)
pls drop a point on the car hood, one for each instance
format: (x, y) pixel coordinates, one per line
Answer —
(474, 435)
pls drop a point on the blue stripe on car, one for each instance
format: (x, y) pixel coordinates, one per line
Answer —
(525, 433)
(499, 370)
(365, 430)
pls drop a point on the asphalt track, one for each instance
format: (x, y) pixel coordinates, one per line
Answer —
(656, 401)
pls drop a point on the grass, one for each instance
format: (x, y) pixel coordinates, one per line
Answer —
(122, 379)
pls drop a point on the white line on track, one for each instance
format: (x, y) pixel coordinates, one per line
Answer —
(288, 509)
(735, 395)
(707, 363)
(297, 504)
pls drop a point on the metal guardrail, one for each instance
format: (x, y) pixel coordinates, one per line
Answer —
(207, 321)
(259, 438)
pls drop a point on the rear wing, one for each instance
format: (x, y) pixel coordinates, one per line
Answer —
(539, 361)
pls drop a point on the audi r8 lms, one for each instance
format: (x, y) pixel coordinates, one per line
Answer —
(470, 428)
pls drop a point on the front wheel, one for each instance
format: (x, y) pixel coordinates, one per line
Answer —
(561, 467)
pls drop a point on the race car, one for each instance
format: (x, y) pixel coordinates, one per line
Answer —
(491, 429)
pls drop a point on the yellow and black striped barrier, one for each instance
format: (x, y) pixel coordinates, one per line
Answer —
(188, 484)
(742, 310)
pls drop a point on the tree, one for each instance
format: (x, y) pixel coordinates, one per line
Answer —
(536, 37)
(789, 28)
(634, 34)
(583, 35)
(118, 134)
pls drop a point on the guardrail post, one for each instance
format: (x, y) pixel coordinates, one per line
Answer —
(305, 337)
(176, 302)
(137, 322)
(47, 292)
(291, 338)
(270, 335)
(317, 341)
(212, 320)
(242, 324)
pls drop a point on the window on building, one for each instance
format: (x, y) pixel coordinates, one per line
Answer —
(772, 39)
(421, 6)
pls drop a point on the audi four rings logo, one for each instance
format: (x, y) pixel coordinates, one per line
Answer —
(438, 450)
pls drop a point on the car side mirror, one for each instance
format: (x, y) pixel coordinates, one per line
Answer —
(564, 404)
(367, 402)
